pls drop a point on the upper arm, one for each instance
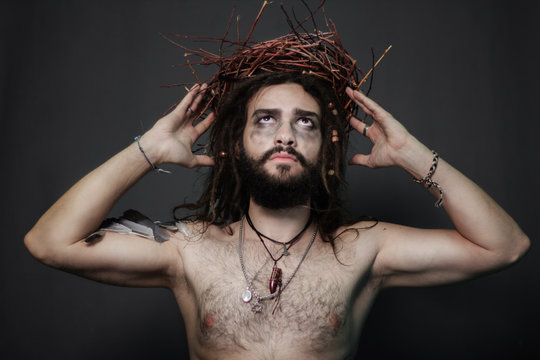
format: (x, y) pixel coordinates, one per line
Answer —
(421, 257)
(119, 259)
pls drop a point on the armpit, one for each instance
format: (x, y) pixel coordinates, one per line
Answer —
(133, 222)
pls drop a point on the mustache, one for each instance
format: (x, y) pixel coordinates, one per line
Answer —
(281, 148)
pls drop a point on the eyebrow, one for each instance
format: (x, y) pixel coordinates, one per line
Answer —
(274, 112)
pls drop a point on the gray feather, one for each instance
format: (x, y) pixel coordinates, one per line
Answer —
(133, 222)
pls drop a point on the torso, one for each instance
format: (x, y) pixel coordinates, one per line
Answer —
(318, 315)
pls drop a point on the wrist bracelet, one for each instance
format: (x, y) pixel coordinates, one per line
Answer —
(156, 169)
(428, 181)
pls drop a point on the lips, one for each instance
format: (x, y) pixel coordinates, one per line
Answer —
(283, 157)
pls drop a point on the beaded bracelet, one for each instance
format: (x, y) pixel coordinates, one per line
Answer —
(156, 169)
(428, 181)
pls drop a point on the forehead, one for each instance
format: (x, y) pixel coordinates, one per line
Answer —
(285, 97)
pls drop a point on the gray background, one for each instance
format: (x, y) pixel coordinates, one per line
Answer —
(78, 78)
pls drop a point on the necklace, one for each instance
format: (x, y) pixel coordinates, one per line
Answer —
(250, 293)
(286, 245)
(275, 277)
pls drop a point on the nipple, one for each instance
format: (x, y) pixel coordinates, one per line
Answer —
(209, 321)
(335, 321)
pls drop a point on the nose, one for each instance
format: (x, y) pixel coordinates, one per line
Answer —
(285, 136)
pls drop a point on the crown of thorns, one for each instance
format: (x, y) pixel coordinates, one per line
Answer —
(316, 53)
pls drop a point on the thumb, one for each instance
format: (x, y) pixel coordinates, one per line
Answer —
(360, 159)
(202, 160)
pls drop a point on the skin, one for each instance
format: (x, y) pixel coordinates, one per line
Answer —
(322, 310)
(276, 120)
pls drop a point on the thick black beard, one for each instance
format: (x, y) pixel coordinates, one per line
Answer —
(281, 191)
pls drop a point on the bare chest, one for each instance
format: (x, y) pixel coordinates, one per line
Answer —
(316, 307)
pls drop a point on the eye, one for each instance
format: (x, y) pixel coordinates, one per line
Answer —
(266, 120)
(305, 123)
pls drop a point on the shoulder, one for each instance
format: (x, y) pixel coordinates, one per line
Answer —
(370, 230)
(361, 231)
(370, 238)
(202, 234)
(360, 241)
(204, 251)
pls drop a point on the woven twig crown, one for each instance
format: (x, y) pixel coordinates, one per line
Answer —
(315, 53)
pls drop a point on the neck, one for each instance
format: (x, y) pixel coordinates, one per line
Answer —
(282, 224)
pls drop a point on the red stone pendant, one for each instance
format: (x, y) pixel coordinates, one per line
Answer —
(275, 279)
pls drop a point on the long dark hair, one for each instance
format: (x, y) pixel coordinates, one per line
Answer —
(224, 199)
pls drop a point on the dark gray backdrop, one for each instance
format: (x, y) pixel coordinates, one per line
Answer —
(78, 78)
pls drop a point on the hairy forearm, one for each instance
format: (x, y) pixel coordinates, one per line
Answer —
(83, 207)
(475, 215)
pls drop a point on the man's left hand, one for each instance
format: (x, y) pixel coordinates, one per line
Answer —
(391, 141)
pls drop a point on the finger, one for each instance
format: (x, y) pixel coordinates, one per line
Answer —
(186, 102)
(202, 126)
(202, 160)
(366, 110)
(369, 106)
(357, 124)
(360, 159)
(362, 127)
(351, 93)
(194, 107)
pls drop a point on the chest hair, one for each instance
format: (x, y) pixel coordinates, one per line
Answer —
(311, 312)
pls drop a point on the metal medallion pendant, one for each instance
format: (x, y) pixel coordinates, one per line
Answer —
(285, 251)
(246, 295)
(256, 307)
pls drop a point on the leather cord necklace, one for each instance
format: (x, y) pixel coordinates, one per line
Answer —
(250, 293)
(275, 277)
(286, 245)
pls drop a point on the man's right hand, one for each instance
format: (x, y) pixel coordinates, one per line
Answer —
(172, 137)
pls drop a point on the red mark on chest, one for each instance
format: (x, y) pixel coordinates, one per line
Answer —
(209, 321)
(335, 321)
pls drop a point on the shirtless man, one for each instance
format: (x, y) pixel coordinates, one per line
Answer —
(326, 290)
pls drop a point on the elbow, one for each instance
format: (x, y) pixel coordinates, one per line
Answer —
(525, 244)
(521, 244)
(37, 247)
(31, 243)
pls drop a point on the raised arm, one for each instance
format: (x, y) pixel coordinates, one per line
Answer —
(57, 239)
(485, 236)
